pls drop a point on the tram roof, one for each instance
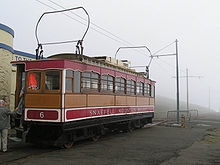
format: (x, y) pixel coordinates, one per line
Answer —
(65, 61)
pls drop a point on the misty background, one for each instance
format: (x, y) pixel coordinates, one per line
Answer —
(151, 23)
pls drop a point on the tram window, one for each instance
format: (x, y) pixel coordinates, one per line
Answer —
(69, 80)
(130, 87)
(52, 80)
(152, 91)
(34, 80)
(110, 83)
(94, 80)
(140, 88)
(77, 79)
(107, 82)
(147, 89)
(104, 82)
(128, 91)
(90, 80)
(86, 80)
(120, 84)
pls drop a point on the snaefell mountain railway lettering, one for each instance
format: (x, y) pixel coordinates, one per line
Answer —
(117, 110)
(102, 111)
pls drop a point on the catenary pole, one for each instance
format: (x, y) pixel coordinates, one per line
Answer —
(177, 82)
(187, 89)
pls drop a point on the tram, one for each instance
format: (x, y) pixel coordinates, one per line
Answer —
(71, 96)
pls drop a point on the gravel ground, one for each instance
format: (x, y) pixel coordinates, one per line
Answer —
(196, 144)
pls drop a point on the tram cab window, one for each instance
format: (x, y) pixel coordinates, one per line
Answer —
(52, 80)
(69, 80)
(34, 80)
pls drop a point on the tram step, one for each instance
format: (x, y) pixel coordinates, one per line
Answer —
(15, 139)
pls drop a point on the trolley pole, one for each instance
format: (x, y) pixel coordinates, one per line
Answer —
(177, 83)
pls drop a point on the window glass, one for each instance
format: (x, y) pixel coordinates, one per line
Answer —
(77, 80)
(52, 80)
(107, 82)
(139, 88)
(86, 80)
(34, 80)
(117, 84)
(128, 86)
(94, 80)
(147, 89)
(152, 91)
(69, 80)
(110, 83)
(90, 80)
(120, 84)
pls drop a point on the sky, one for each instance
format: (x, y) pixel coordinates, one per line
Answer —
(151, 23)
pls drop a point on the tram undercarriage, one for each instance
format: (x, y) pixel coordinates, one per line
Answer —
(66, 134)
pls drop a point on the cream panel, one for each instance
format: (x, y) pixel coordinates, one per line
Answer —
(6, 38)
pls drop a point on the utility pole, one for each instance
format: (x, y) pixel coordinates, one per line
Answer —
(177, 84)
(187, 85)
(187, 89)
(177, 75)
(209, 100)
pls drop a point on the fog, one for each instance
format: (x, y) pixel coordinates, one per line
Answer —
(151, 23)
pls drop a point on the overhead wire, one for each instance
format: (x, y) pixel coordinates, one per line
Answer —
(93, 24)
(121, 41)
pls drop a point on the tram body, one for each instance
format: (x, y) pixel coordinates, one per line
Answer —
(69, 97)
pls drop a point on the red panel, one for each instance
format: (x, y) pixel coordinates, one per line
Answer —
(131, 77)
(147, 81)
(107, 71)
(93, 68)
(140, 79)
(120, 74)
(74, 65)
(42, 114)
(45, 64)
(101, 112)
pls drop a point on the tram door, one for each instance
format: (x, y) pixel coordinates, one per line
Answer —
(20, 86)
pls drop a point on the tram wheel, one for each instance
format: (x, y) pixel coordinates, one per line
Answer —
(130, 126)
(96, 138)
(68, 145)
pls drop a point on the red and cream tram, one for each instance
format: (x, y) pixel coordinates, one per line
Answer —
(69, 97)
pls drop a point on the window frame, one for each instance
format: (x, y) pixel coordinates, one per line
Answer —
(132, 87)
(68, 77)
(27, 82)
(120, 85)
(90, 89)
(108, 89)
(43, 78)
(140, 85)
